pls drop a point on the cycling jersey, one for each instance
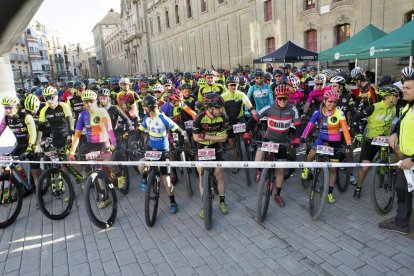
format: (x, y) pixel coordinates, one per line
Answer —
(233, 105)
(406, 130)
(76, 104)
(317, 95)
(262, 95)
(98, 126)
(346, 105)
(127, 102)
(203, 123)
(279, 121)
(210, 88)
(174, 112)
(23, 127)
(297, 97)
(116, 114)
(157, 128)
(190, 102)
(60, 121)
(329, 126)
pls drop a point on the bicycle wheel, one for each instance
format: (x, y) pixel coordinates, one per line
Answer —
(55, 194)
(207, 198)
(343, 176)
(319, 192)
(11, 201)
(134, 142)
(152, 196)
(264, 192)
(98, 190)
(188, 174)
(383, 188)
(121, 173)
(307, 182)
(291, 157)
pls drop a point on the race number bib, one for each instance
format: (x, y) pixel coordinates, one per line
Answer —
(5, 160)
(52, 156)
(238, 128)
(175, 136)
(380, 141)
(325, 150)
(93, 155)
(188, 124)
(409, 175)
(153, 155)
(206, 154)
(270, 147)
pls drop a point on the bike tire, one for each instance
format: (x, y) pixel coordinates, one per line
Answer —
(18, 202)
(383, 188)
(122, 171)
(291, 158)
(90, 187)
(45, 189)
(133, 156)
(264, 192)
(208, 197)
(318, 192)
(152, 195)
(343, 176)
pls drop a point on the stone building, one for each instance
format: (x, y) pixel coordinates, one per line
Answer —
(20, 63)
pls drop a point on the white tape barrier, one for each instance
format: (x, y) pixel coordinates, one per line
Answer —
(222, 164)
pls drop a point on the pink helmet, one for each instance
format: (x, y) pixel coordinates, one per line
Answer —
(175, 95)
(331, 95)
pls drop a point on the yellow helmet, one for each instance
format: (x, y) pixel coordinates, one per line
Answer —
(89, 95)
(49, 91)
(10, 100)
(32, 103)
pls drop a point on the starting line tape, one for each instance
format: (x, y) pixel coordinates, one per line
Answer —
(218, 164)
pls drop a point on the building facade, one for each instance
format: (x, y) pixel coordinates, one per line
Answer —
(20, 63)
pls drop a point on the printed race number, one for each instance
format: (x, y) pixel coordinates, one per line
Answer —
(270, 147)
(380, 141)
(188, 124)
(325, 150)
(153, 155)
(238, 128)
(93, 155)
(206, 154)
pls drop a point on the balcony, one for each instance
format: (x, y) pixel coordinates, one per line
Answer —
(24, 58)
(13, 57)
(34, 55)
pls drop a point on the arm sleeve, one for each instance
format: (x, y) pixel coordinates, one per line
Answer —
(108, 126)
(31, 128)
(360, 115)
(79, 123)
(123, 116)
(3, 125)
(68, 116)
(197, 124)
(310, 124)
(310, 98)
(345, 130)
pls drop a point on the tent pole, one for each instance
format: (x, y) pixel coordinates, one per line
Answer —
(318, 67)
(410, 64)
(376, 70)
(356, 62)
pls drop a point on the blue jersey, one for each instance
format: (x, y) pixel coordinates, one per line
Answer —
(262, 95)
(157, 128)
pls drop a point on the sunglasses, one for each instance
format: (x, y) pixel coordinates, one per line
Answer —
(232, 84)
(284, 99)
(87, 101)
(49, 98)
(278, 76)
(123, 83)
(318, 84)
(8, 107)
(331, 101)
(157, 91)
(259, 78)
(167, 85)
(209, 78)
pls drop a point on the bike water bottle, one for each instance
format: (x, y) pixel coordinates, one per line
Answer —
(20, 171)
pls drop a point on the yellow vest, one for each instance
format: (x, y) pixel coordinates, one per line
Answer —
(406, 134)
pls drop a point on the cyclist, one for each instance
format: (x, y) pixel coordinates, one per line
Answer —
(23, 127)
(210, 86)
(330, 121)
(234, 103)
(366, 90)
(317, 95)
(75, 99)
(157, 125)
(188, 79)
(280, 116)
(310, 81)
(296, 95)
(210, 129)
(243, 85)
(261, 93)
(405, 72)
(115, 89)
(127, 101)
(379, 118)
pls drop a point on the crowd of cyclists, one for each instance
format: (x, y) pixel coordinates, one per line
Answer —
(293, 105)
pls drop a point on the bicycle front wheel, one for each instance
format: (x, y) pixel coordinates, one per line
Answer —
(208, 196)
(11, 200)
(100, 199)
(152, 196)
(121, 173)
(318, 193)
(383, 188)
(343, 176)
(264, 192)
(55, 194)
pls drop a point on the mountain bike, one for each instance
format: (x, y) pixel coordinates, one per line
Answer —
(239, 129)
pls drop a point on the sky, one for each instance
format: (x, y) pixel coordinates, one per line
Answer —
(75, 19)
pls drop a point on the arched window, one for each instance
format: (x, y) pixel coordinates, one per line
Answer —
(203, 5)
(270, 44)
(268, 10)
(311, 40)
(189, 9)
(342, 33)
(167, 20)
(159, 23)
(310, 4)
(177, 15)
(409, 16)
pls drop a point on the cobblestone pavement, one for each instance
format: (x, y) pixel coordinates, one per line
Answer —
(345, 241)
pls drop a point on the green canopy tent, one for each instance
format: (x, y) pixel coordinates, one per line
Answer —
(347, 49)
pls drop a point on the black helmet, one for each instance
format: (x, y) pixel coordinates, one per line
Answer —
(232, 79)
(242, 80)
(213, 100)
(170, 75)
(185, 86)
(277, 72)
(149, 102)
(187, 75)
(259, 74)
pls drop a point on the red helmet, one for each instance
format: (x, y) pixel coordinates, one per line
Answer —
(331, 95)
(282, 90)
(175, 95)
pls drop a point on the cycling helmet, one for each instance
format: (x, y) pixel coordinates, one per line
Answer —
(320, 78)
(10, 100)
(213, 100)
(185, 86)
(170, 75)
(303, 68)
(388, 90)
(331, 95)
(338, 79)
(143, 85)
(209, 73)
(282, 90)
(313, 68)
(294, 81)
(267, 76)
(277, 72)
(232, 79)
(242, 80)
(79, 84)
(89, 95)
(158, 87)
(70, 83)
(328, 73)
(32, 103)
(149, 102)
(357, 71)
(104, 92)
(187, 75)
(175, 95)
(201, 82)
(298, 74)
(167, 81)
(124, 80)
(259, 74)
(49, 91)
(406, 71)
(114, 81)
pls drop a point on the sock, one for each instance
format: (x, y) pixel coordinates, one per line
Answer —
(222, 199)
(358, 188)
(278, 190)
(172, 199)
(331, 190)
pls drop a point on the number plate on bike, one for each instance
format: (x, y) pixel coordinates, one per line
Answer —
(270, 147)
(325, 150)
(175, 136)
(5, 160)
(206, 154)
(153, 155)
(188, 124)
(380, 141)
(93, 155)
(52, 156)
(238, 128)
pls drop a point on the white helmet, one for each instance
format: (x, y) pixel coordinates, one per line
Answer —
(124, 80)
(356, 71)
(406, 71)
(328, 73)
(158, 87)
(338, 79)
(294, 81)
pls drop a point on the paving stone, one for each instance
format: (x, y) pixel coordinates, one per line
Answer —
(110, 267)
(131, 269)
(291, 265)
(125, 257)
